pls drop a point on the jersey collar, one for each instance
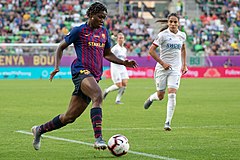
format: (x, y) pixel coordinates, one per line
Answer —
(172, 32)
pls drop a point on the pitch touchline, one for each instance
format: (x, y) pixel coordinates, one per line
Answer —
(90, 144)
(116, 129)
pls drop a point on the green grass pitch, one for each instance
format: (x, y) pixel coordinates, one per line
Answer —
(205, 126)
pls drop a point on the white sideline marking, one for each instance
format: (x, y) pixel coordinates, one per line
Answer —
(155, 129)
(57, 138)
(90, 144)
(151, 155)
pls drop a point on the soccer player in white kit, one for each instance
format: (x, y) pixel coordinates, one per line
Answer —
(119, 73)
(170, 65)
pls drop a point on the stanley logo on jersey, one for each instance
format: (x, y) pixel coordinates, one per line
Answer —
(96, 44)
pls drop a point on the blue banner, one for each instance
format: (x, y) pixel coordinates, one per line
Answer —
(34, 72)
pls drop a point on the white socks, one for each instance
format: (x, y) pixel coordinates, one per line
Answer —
(113, 87)
(154, 97)
(170, 107)
(120, 93)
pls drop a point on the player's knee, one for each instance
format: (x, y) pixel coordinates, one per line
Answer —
(97, 97)
(124, 84)
(172, 90)
(160, 96)
(119, 85)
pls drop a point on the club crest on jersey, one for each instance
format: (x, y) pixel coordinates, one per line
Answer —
(103, 36)
(85, 71)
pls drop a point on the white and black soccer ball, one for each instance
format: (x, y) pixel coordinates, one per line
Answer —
(118, 145)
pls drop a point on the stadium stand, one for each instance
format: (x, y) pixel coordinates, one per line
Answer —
(48, 21)
(214, 32)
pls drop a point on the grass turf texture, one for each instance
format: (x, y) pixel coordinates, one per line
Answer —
(206, 124)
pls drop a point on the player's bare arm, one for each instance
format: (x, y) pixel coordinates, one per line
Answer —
(108, 55)
(184, 64)
(152, 52)
(58, 58)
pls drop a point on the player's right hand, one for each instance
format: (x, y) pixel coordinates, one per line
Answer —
(130, 63)
(166, 66)
(53, 73)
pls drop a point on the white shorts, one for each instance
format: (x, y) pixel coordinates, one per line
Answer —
(167, 78)
(118, 75)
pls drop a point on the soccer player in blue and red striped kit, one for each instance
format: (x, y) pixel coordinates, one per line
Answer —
(91, 42)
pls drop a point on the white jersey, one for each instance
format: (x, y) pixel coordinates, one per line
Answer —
(121, 53)
(170, 48)
(119, 72)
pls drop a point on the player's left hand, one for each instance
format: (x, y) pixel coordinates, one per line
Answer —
(184, 69)
(130, 63)
(53, 73)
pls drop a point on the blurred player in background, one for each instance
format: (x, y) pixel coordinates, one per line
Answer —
(170, 65)
(91, 42)
(119, 73)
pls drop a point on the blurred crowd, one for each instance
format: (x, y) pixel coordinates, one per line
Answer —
(216, 31)
(39, 21)
(48, 21)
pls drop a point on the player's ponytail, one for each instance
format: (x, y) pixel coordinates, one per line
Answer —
(161, 21)
(164, 21)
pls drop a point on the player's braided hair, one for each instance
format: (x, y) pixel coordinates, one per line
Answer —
(166, 20)
(95, 8)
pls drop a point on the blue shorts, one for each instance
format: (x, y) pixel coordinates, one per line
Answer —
(77, 80)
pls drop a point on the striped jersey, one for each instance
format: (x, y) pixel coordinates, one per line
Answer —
(89, 46)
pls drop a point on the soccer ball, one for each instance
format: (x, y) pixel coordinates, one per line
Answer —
(118, 145)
